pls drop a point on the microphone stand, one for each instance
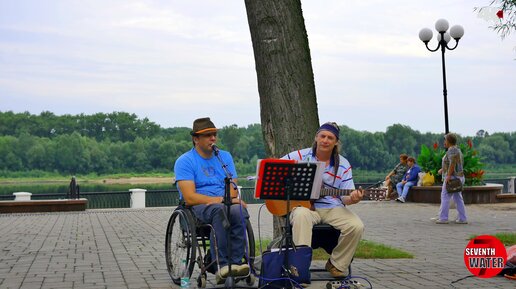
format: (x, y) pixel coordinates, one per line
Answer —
(230, 282)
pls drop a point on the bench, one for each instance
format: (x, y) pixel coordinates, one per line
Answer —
(506, 198)
(31, 206)
(472, 194)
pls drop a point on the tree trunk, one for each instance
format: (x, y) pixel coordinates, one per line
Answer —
(288, 105)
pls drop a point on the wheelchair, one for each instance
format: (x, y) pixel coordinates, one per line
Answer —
(188, 239)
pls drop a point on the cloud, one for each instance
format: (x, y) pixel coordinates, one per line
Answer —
(173, 60)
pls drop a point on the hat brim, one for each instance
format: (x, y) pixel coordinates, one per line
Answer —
(206, 130)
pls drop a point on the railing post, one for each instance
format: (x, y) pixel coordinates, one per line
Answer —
(137, 198)
(22, 196)
(73, 189)
(512, 184)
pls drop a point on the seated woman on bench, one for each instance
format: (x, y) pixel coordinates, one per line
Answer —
(409, 180)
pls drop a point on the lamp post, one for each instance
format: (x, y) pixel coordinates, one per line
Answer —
(456, 32)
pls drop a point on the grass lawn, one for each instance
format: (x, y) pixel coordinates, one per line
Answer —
(366, 250)
(508, 239)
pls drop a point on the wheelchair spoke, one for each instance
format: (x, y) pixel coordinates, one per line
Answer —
(179, 245)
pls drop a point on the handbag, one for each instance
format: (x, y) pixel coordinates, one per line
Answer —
(454, 186)
(273, 262)
(428, 179)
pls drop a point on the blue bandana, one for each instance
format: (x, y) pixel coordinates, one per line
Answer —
(331, 129)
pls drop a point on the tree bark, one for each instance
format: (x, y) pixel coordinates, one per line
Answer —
(288, 104)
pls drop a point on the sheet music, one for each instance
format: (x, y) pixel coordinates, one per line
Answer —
(316, 188)
(304, 177)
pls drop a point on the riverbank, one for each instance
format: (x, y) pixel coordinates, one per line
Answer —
(137, 180)
(97, 180)
(359, 176)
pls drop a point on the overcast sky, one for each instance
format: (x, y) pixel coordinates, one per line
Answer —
(173, 61)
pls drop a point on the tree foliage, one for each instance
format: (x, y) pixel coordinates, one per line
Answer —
(504, 13)
(116, 126)
(79, 152)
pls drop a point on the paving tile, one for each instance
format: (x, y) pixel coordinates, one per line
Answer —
(124, 248)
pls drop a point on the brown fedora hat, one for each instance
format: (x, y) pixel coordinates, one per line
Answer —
(202, 126)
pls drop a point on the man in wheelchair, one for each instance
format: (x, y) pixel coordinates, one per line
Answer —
(200, 180)
(330, 209)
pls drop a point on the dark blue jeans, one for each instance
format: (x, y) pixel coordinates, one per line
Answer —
(213, 214)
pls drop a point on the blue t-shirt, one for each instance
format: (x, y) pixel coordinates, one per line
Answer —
(343, 179)
(207, 174)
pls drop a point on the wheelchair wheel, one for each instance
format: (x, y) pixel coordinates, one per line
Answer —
(249, 280)
(250, 240)
(180, 244)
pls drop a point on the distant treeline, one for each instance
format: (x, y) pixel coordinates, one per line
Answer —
(119, 142)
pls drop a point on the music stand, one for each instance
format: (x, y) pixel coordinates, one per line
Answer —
(288, 180)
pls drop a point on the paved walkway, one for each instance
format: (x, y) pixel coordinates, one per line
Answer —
(124, 248)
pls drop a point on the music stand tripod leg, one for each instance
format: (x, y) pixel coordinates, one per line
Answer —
(289, 242)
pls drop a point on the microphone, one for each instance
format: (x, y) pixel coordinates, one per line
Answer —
(215, 149)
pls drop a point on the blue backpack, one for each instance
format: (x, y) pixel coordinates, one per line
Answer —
(273, 273)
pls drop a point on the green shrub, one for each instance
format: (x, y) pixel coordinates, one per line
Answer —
(430, 160)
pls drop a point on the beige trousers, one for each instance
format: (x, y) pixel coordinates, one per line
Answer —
(350, 226)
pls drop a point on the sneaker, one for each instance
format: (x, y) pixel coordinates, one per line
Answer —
(334, 272)
(240, 270)
(220, 276)
(434, 219)
(442, 222)
(460, 222)
(400, 199)
(219, 279)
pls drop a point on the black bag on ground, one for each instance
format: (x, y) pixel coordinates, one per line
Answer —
(273, 263)
(509, 269)
(454, 186)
